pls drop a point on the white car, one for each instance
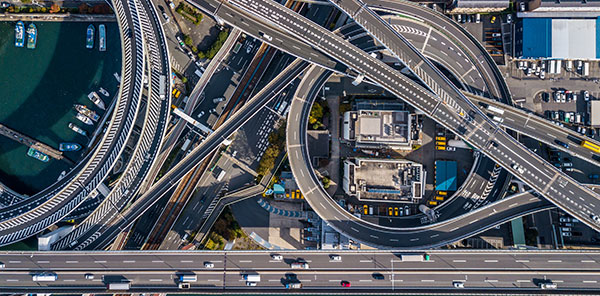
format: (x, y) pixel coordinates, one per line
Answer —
(335, 257)
(251, 284)
(200, 114)
(2, 265)
(586, 95)
(458, 285)
(450, 148)
(596, 218)
(89, 276)
(276, 257)
(209, 265)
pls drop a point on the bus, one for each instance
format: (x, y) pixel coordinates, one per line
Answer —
(591, 146)
(118, 286)
(162, 91)
(44, 277)
(496, 109)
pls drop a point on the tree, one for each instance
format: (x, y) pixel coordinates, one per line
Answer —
(54, 8)
(316, 113)
(326, 182)
(188, 40)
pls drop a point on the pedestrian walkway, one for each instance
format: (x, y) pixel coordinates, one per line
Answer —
(265, 244)
(265, 205)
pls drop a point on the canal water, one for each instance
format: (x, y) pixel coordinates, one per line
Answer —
(38, 89)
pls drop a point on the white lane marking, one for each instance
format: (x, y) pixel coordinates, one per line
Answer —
(491, 281)
(213, 280)
(588, 261)
(14, 262)
(245, 261)
(427, 280)
(155, 280)
(366, 261)
(71, 261)
(522, 261)
(365, 280)
(12, 280)
(554, 261)
(523, 281)
(103, 261)
(128, 261)
(490, 261)
(459, 260)
(69, 280)
(187, 261)
(44, 261)
(157, 261)
(590, 282)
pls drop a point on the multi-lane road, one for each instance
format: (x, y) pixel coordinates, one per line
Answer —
(380, 271)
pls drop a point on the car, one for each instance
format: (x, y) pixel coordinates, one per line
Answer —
(509, 18)
(166, 16)
(208, 264)
(458, 284)
(251, 284)
(493, 19)
(89, 276)
(219, 99)
(200, 114)
(2, 265)
(346, 284)
(518, 168)
(566, 234)
(276, 257)
(390, 211)
(567, 224)
(335, 257)
(249, 48)
(496, 34)
(365, 209)
(567, 164)
(586, 95)
(564, 219)
(162, 9)
(569, 169)
(378, 276)
(213, 110)
(459, 18)
(548, 286)
(263, 35)
(478, 18)
(5, 5)
(407, 210)
(565, 229)
(596, 218)
(184, 285)
(450, 148)
(543, 75)
(395, 211)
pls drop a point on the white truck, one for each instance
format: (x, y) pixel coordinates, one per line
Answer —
(414, 257)
(586, 69)
(44, 277)
(251, 277)
(123, 286)
(495, 109)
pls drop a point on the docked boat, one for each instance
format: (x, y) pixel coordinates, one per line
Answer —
(89, 39)
(94, 97)
(77, 129)
(20, 34)
(102, 45)
(117, 77)
(38, 155)
(104, 92)
(87, 112)
(83, 119)
(69, 147)
(31, 36)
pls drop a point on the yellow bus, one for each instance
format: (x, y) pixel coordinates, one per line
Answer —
(440, 143)
(591, 146)
(444, 193)
(432, 203)
(440, 198)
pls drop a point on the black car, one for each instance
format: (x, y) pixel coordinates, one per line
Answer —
(561, 143)
(378, 276)
(5, 5)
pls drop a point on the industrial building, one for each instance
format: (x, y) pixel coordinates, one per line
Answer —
(594, 111)
(558, 38)
(445, 175)
(378, 128)
(384, 179)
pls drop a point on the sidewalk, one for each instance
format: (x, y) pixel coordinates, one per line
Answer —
(64, 17)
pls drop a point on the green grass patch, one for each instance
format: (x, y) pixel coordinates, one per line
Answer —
(189, 13)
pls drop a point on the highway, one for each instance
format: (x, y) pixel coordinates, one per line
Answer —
(456, 114)
(510, 271)
(35, 214)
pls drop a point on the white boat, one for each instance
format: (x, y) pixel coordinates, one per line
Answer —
(117, 77)
(94, 97)
(84, 119)
(104, 92)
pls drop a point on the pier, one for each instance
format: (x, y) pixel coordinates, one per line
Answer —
(29, 142)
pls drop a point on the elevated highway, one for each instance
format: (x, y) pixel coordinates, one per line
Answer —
(453, 111)
(31, 216)
(379, 272)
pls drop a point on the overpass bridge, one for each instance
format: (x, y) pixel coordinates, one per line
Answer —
(369, 272)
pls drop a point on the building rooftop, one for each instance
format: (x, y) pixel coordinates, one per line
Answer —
(383, 179)
(318, 145)
(377, 128)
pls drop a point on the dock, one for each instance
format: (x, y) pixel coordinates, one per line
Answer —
(29, 142)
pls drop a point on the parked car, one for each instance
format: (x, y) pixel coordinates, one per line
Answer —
(458, 284)
(346, 284)
(276, 257)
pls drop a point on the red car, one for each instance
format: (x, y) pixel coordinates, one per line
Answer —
(346, 284)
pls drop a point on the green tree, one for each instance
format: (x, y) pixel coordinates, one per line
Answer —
(316, 113)
(188, 40)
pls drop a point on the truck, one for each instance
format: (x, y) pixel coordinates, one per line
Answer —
(188, 277)
(552, 67)
(414, 257)
(44, 277)
(586, 69)
(163, 87)
(186, 145)
(558, 66)
(299, 265)
(118, 286)
(251, 277)
(198, 73)
(358, 79)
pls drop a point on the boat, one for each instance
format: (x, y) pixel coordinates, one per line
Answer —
(94, 97)
(117, 77)
(19, 34)
(38, 155)
(89, 40)
(31, 36)
(104, 92)
(87, 112)
(77, 129)
(69, 147)
(83, 119)
(102, 45)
